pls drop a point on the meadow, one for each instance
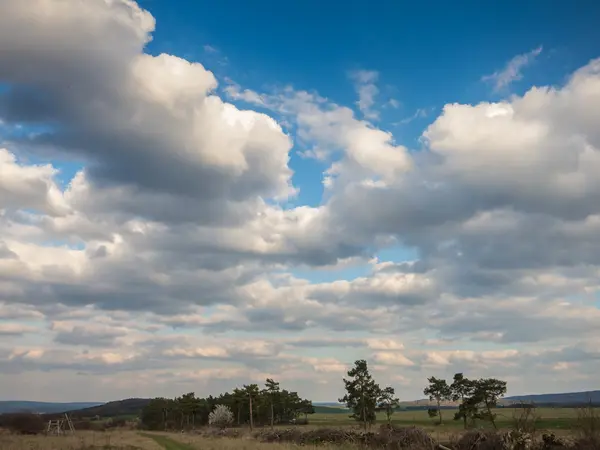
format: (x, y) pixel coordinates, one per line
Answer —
(561, 421)
(134, 440)
(548, 418)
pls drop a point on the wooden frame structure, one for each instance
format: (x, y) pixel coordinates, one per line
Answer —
(59, 427)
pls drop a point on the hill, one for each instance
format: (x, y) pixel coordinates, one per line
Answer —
(18, 406)
(567, 398)
(329, 404)
(322, 409)
(127, 407)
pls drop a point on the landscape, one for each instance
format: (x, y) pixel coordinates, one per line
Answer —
(249, 417)
(267, 224)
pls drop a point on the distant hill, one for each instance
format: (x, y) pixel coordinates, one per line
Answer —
(562, 399)
(567, 398)
(42, 407)
(330, 404)
(127, 407)
(320, 409)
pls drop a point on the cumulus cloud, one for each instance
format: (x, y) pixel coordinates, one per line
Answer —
(170, 247)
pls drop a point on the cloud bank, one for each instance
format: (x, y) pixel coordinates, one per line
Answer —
(169, 257)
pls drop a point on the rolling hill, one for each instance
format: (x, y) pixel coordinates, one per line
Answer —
(567, 398)
(133, 406)
(127, 407)
(17, 406)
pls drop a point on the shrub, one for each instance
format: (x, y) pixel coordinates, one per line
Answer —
(588, 423)
(220, 417)
(23, 423)
(526, 419)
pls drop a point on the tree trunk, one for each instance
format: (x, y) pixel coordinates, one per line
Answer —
(439, 411)
(463, 413)
(487, 405)
(239, 410)
(272, 414)
(364, 411)
(251, 418)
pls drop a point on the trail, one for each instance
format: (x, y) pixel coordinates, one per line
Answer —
(167, 443)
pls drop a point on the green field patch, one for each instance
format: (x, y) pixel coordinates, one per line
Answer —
(166, 442)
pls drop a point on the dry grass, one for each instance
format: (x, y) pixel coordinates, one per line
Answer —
(244, 443)
(130, 440)
(117, 440)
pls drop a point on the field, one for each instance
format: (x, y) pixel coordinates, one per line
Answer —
(561, 421)
(132, 440)
(549, 418)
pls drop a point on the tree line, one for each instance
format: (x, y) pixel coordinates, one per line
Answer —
(250, 405)
(477, 397)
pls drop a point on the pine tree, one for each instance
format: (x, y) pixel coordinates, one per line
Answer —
(362, 393)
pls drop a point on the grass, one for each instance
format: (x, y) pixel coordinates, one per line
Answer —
(81, 440)
(550, 418)
(167, 443)
(197, 442)
(132, 440)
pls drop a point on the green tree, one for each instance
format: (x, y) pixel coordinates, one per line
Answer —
(272, 391)
(252, 392)
(439, 391)
(461, 389)
(487, 391)
(388, 402)
(361, 393)
(238, 398)
(158, 414)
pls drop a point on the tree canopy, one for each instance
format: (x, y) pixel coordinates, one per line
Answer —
(269, 405)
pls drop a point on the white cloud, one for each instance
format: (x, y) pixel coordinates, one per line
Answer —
(170, 249)
(364, 82)
(513, 70)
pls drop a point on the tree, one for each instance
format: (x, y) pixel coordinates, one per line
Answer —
(272, 390)
(488, 391)
(361, 393)
(238, 399)
(252, 392)
(221, 416)
(388, 402)
(439, 391)
(461, 389)
(475, 394)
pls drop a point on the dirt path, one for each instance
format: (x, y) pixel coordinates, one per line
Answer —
(167, 443)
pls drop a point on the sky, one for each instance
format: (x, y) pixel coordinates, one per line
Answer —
(196, 196)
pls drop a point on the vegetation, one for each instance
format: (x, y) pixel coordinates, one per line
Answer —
(270, 409)
(439, 391)
(249, 405)
(221, 417)
(388, 402)
(23, 423)
(362, 393)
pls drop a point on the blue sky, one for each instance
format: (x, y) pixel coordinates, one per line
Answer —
(412, 183)
(427, 54)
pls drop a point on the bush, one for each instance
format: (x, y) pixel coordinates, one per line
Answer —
(220, 417)
(588, 424)
(389, 437)
(23, 423)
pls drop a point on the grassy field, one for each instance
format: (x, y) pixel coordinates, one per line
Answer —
(562, 420)
(549, 418)
(132, 440)
(81, 440)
